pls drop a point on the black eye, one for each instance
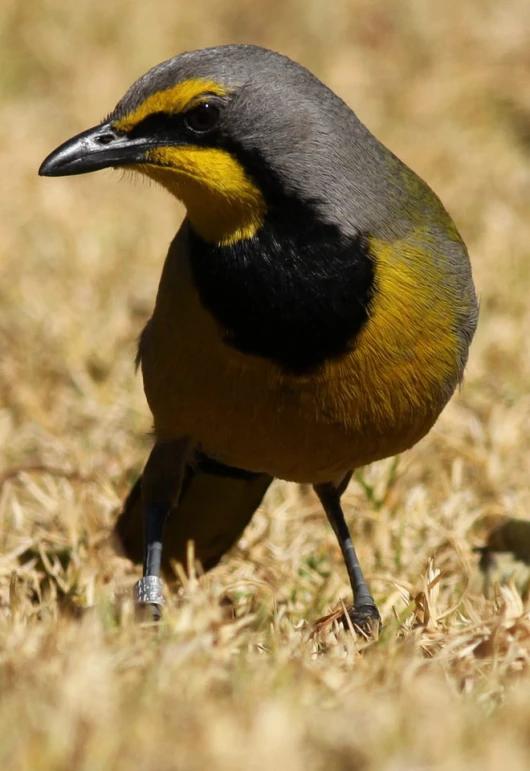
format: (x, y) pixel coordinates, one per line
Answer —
(203, 117)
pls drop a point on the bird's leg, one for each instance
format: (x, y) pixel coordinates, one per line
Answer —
(161, 485)
(364, 614)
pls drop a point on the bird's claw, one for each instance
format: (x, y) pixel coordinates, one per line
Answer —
(365, 620)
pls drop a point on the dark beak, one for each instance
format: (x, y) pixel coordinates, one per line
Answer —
(97, 148)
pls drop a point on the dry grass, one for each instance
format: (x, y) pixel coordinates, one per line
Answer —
(233, 678)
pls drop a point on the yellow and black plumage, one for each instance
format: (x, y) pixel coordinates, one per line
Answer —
(315, 309)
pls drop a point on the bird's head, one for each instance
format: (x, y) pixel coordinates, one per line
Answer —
(232, 132)
(195, 124)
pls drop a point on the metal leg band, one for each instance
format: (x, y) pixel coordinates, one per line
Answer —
(148, 591)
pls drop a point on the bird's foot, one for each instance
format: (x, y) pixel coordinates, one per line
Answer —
(148, 596)
(365, 620)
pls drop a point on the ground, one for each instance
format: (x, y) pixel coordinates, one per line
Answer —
(237, 676)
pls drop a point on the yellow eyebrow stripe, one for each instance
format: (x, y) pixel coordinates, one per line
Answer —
(170, 100)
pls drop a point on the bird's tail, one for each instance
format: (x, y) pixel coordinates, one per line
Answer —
(216, 504)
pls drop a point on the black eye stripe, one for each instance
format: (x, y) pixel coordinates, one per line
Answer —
(157, 124)
(200, 118)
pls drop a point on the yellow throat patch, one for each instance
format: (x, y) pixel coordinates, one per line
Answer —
(224, 205)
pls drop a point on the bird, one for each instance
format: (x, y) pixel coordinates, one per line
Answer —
(315, 309)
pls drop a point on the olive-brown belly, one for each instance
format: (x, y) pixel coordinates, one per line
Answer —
(243, 412)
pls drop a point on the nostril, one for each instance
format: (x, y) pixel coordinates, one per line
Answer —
(105, 139)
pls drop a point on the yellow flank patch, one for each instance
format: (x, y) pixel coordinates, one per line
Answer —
(223, 204)
(408, 358)
(172, 100)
